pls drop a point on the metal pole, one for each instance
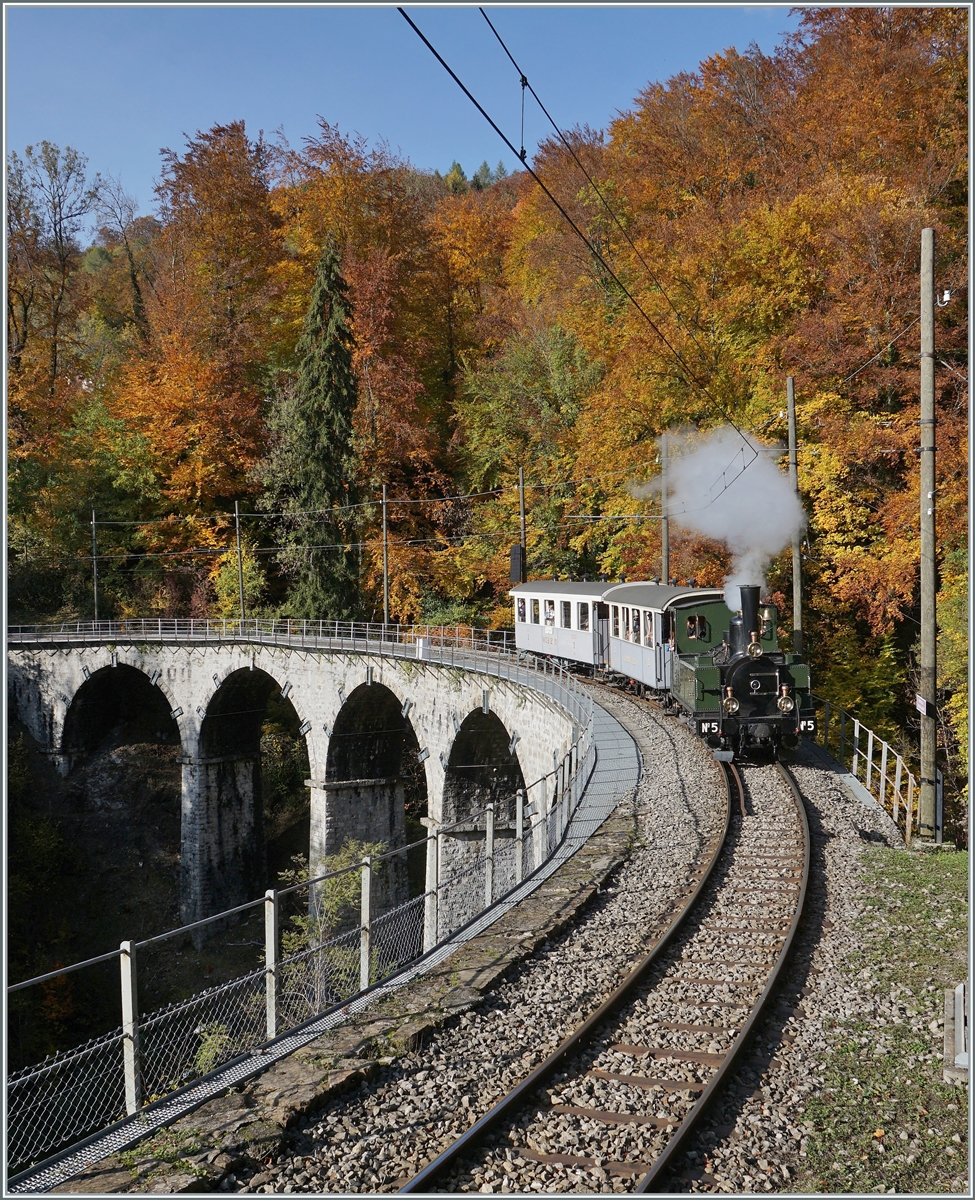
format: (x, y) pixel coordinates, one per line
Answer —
(365, 923)
(430, 886)
(240, 561)
(271, 960)
(94, 564)
(130, 1029)
(790, 392)
(489, 858)
(385, 563)
(927, 696)
(664, 519)
(520, 836)
(524, 532)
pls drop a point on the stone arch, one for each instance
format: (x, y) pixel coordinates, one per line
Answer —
(116, 706)
(237, 821)
(481, 769)
(375, 785)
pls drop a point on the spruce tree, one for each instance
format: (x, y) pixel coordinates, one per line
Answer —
(309, 473)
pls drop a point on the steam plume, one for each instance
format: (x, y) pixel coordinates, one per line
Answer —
(736, 494)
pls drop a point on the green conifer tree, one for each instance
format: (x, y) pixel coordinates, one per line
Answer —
(309, 473)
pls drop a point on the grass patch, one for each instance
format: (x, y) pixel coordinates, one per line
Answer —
(886, 1121)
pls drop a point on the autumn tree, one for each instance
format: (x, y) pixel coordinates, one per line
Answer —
(310, 472)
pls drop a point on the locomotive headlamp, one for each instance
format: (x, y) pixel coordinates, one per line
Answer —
(730, 703)
(754, 649)
(785, 703)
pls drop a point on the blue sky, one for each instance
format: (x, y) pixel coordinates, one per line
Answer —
(118, 82)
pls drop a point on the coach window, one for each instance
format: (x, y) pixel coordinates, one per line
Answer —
(521, 611)
(534, 612)
(566, 614)
(549, 612)
(636, 625)
(584, 616)
(616, 620)
(647, 627)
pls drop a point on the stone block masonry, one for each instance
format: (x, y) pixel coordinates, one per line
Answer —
(361, 716)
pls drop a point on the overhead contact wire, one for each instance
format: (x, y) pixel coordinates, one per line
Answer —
(677, 356)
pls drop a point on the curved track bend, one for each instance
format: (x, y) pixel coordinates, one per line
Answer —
(626, 1088)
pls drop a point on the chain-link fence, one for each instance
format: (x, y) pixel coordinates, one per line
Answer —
(326, 939)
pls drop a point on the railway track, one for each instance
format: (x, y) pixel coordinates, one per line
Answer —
(614, 1104)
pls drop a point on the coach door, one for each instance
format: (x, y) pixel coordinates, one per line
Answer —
(602, 633)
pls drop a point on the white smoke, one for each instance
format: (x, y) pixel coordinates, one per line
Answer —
(729, 488)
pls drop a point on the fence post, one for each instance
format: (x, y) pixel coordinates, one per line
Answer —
(365, 922)
(519, 835)
(842, 735)
(545, 846)
(869, 757)
(130, 1029)
(897, 787)
(855, 764)
(271, 960)
(430, 885)
(489, 857)
(883, 773)
(910, 806)
(826, 728)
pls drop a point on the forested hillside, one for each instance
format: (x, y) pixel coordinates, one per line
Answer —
(293, 328)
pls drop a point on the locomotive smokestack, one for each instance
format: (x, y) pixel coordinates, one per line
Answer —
(749, 609)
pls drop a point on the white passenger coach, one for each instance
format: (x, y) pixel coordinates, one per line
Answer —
(630, 628)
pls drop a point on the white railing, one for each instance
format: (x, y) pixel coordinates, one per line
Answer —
(489, 650)
(881, 769)
(468, 867)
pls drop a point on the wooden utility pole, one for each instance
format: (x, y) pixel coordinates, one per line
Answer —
(927, 697)
(790, 392)
(664, 519)
(94, 563)
(524, 531)
(240, 561)
(385, 563)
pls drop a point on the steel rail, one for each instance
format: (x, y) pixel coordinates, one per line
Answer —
(420, 1182)
(654, 1179)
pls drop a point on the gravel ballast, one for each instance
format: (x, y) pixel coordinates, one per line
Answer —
(772, 1131)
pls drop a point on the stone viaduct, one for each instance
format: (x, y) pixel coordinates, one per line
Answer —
(374, 722)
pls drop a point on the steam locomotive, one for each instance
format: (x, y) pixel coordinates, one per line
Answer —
(723, 670)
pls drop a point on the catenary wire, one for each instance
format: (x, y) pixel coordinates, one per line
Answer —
(676, 355)
(592, 183)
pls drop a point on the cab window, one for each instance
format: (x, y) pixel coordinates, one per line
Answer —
(566, 614)
(534, 612)
(616, 620)
(521, 611)
(697, 628)
(584, 616)
(647, 627)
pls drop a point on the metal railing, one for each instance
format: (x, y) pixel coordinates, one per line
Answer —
(345, 950)
(876, 764)
(489, 650)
